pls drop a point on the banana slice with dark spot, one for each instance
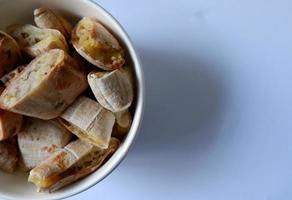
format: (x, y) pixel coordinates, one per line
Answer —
(7, 78)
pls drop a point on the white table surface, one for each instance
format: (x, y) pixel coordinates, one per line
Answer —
(218, 114)
(218, 117)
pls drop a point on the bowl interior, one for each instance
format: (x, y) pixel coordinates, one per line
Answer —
(15, 186)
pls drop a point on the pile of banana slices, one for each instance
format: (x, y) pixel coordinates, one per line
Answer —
(65, 98)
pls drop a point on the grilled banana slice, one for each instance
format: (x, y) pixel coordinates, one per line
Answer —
(6, 79)
(46, 87)
(38, 139)
(89, 121)
(8, 155)
(10, 53)
(97, 45)
(34, 41)
(85, 166)
(46, 18)
(123, 124)
(10, 124)
(113, 90)
(49, 171)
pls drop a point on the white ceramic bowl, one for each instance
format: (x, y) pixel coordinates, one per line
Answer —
(15, 186)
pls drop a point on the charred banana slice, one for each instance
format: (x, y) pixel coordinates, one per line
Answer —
(89, 121)
(38, 139)
(34, 41)
(87, 165)
(113, 90)
(6, 79)
(49, 171)
(46, 18)
(97, 45)
(46, 87)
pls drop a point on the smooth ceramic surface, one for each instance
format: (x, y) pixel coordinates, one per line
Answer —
(15, 186)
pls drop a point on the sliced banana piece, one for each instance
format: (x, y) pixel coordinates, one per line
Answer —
(34, 41)
(123, 123)
(38, 139)
(113, 90)
(49, 171)
(46, 87)
(88, 120)
(87, 165)
(97, 45)
(10, 124)
(46, 18)
(8, 155)
(6, 79)
(10, 53)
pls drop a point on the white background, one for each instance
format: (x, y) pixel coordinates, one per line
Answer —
(217, 121)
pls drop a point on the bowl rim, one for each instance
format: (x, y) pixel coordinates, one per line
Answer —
(119, 156)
